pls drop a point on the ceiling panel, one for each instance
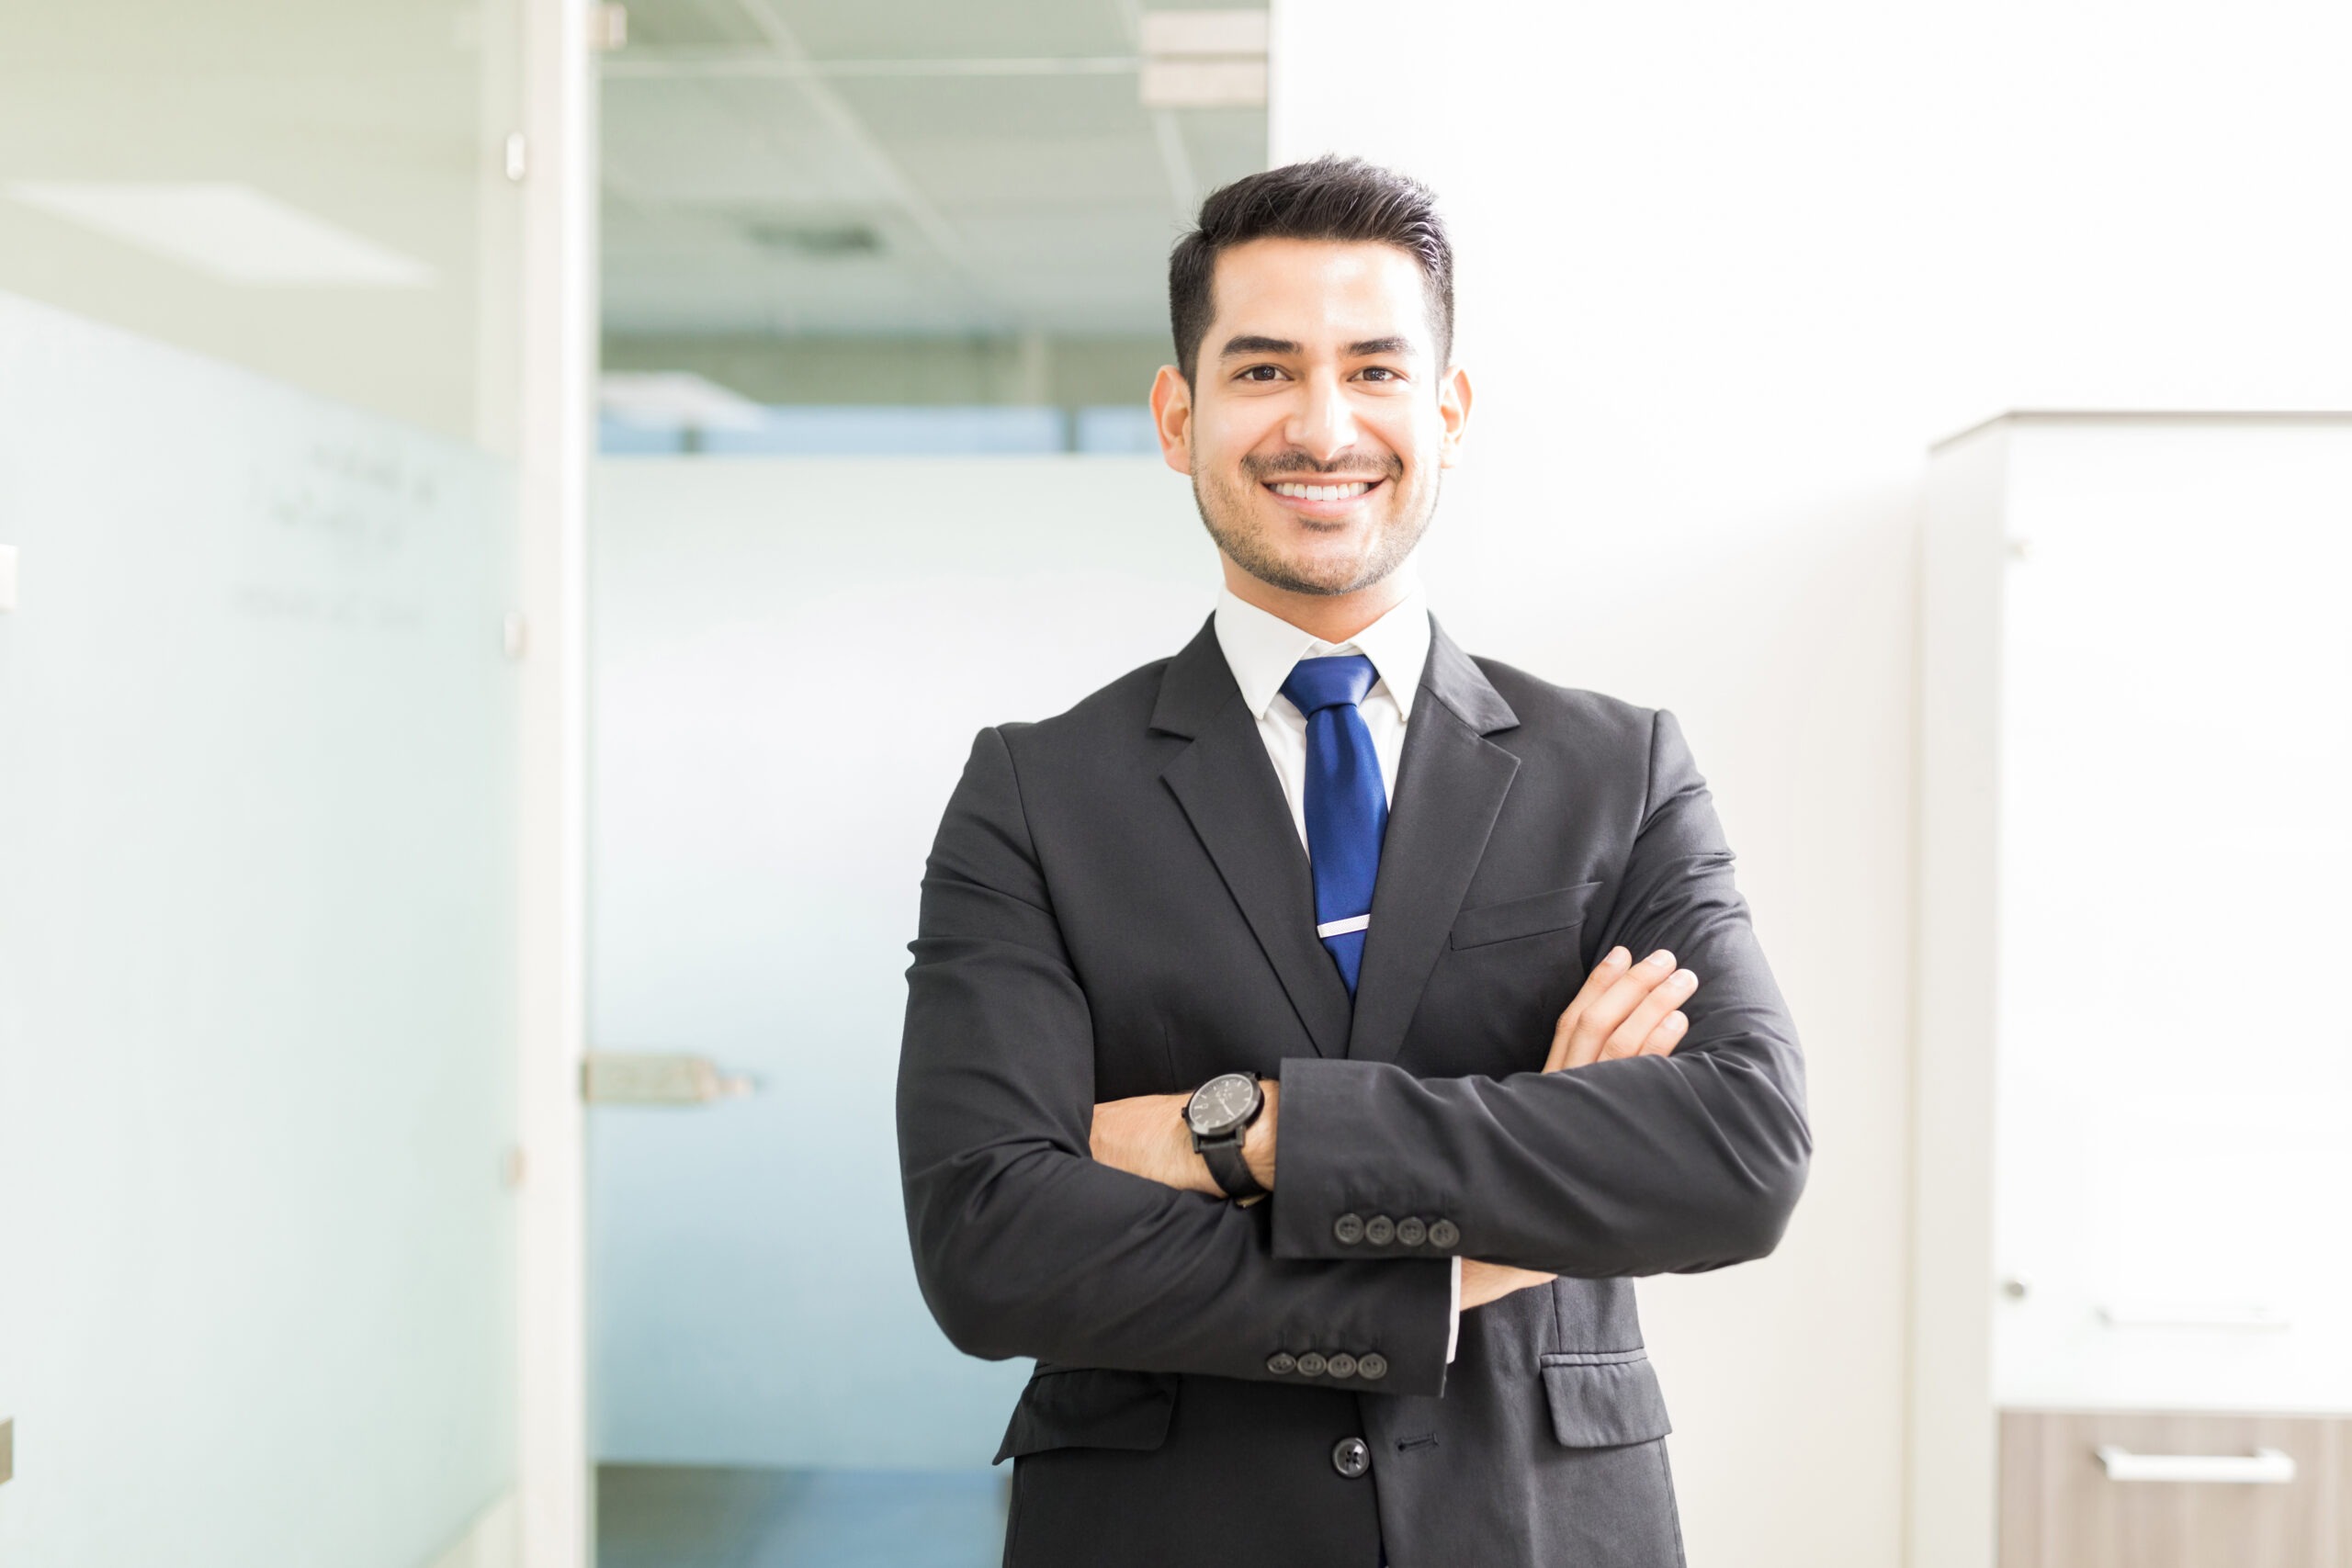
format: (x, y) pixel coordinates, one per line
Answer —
(1007, 177)
(691, 24)
(1009, 106)
(895, 30)
(761, 197)
(732, 142)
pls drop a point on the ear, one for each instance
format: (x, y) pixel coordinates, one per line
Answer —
(1453, 412)
(1172, 415)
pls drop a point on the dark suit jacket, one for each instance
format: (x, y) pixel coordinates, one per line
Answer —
(1118, 904)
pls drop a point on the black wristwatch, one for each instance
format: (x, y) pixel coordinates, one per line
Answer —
(1219, 1114)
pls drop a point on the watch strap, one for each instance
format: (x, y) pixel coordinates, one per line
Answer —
(1227, 1166)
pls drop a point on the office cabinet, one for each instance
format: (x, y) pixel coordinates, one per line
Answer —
(2134, 1177)
(2129, 1489)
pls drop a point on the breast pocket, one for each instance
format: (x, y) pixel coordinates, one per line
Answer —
(1561, 909)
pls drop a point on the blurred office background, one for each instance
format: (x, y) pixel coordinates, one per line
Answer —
(462, 470)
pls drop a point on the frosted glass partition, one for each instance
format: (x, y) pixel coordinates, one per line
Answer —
(789, 660)
(256, 968)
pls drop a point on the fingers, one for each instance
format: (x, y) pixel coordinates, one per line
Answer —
(1604, 975)
(1629, 1014)
(1649, 1014)
(1666, 1035)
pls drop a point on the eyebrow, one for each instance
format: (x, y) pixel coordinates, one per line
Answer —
(1250, 344)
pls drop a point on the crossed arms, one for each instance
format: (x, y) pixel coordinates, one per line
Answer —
(1623, 1010)
(1684, 1156)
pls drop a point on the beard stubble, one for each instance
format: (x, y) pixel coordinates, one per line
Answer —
(1226, 511)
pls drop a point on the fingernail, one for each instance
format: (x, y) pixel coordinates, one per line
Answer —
(1661, 959)
(1686, 979)
(1618, 955)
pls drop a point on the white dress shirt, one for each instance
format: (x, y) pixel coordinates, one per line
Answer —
(1261, 648)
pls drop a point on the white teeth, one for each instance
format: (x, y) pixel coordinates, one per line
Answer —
(1324, 492)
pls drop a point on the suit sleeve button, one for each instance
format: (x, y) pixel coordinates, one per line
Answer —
(1348, 1229)
(1341, 1365)
(1282, 1363)
(1371, 1364)
(1380, 1230)
(1311, 1365)
(1411, 1232)
(1443, 1236)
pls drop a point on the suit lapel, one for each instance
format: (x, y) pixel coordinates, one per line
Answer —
(1225, 783)
(1450, 789)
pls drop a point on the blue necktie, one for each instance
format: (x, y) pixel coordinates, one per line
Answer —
(1346, 809)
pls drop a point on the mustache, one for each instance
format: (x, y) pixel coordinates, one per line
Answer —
(1346, 466)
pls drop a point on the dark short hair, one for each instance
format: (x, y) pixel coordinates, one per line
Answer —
(1327, 199)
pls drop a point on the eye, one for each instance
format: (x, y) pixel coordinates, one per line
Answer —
(1380, 372)
(1260, 373)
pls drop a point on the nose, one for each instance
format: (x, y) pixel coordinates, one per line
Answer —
(1322, 425)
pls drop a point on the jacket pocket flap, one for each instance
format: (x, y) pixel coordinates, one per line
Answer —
(1603, 1399)
(1090, 1407)
(1555, 910)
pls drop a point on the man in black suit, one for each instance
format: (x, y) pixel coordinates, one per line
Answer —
(1277, 1068)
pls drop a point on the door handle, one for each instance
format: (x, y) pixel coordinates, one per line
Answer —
(2263, 1467)
(658, 1078)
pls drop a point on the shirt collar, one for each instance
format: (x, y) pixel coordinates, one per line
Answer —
(1262, 647)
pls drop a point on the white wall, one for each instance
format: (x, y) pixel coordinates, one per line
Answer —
(1727, 269)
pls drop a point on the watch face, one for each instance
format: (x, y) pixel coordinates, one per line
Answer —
(1222, 1104)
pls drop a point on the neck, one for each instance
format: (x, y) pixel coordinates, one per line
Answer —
(1334, 617)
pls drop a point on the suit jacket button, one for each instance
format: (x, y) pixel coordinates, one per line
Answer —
(1371, 1364)
(1410, 1231)
(1380, 1230)
(1443, 1236)
(1351, 1457)
(1311, 1365)
(1348, 1229)
(1282, 1363)
(1341, 1365)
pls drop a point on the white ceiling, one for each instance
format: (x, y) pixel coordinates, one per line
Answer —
(909, 167)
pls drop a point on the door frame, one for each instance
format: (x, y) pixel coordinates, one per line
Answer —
(555, 1487)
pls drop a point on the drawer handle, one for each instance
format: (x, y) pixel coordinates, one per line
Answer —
(2150, 1315)
(2263, 1467)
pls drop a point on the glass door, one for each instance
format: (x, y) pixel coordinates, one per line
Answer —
(259, 881)
(884, 293)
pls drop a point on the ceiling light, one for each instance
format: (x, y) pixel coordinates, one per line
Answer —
(1204, 32)
(1202, 84)
(228, 230)
(671, 400)
(1204, 60)
(818, 239)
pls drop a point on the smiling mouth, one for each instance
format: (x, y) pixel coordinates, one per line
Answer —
(1339, 490)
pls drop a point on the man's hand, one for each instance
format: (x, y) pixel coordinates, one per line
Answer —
(1145, 1136)
(1624, 1010)
(1484, 1282)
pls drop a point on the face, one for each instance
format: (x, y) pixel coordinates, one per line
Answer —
(1317, 417)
